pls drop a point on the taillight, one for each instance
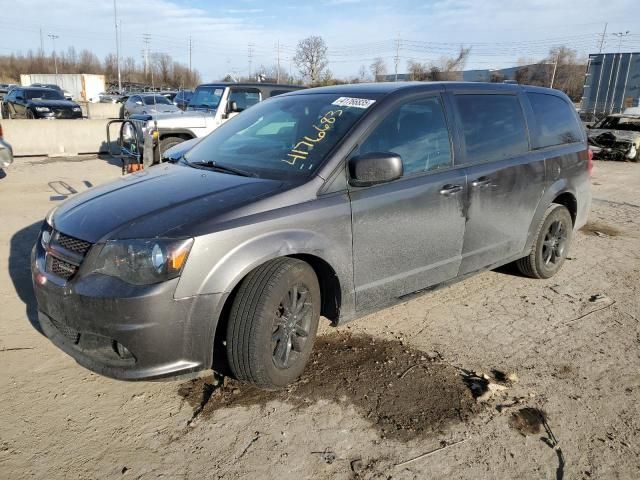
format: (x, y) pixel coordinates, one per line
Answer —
(0, 131)
(590, 162)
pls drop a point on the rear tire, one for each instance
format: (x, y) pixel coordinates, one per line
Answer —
(551, 245)
(273, 323)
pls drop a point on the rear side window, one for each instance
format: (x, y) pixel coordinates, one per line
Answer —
(493, 127)
(557, 124)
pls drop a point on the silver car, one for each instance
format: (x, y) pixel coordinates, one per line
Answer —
(148, 104)
(332, 202)
(6, 152)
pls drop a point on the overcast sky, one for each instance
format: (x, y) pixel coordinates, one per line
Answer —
(499, 31)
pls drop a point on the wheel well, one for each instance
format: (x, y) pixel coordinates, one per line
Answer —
(184, 136)
(570, 202)
(330, 293)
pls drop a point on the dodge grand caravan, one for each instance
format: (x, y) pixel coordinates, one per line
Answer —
(329, 202)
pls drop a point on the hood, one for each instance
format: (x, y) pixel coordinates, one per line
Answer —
(620, 135)
(163, 108)
(188, 119)
(168, 200)
(53, 103)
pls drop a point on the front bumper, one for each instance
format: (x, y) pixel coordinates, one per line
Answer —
(125, 331)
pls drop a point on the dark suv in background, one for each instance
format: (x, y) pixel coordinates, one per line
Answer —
(334, 201)
(38, 102)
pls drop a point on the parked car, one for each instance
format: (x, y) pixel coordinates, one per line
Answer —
(334, 201)
(210, 106)
(38, 102)
(616, 137)
(148, 104)
(181, 100)
(6, 152)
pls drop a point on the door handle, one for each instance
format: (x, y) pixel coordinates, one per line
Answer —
(481, 182)
(450, 189)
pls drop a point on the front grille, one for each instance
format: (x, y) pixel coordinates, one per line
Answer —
(62, 112)
(60, 268)
(70, 333)
(76, 245)
(65, 254)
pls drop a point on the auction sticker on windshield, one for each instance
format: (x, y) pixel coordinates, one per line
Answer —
(353, 102)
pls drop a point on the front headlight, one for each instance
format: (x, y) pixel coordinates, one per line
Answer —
(143, 262)
(77, 109)
(42, 109)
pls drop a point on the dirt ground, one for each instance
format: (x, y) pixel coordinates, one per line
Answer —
(390, 396)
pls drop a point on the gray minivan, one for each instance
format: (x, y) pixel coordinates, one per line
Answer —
(331, 202)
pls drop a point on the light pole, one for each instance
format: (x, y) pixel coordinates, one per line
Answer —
(115, 19)
(621, 36)
(55, 57)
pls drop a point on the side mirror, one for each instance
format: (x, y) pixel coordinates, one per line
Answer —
(233, 107)
(374, 168)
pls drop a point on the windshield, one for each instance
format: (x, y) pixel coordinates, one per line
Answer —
(206, 97)
(284, 138)
(48, 94)
(620, 123)
(155, 100)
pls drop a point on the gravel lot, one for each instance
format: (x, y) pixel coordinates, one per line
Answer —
(380, 392)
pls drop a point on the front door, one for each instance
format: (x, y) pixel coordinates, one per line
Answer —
(407, 234)
(505, 180)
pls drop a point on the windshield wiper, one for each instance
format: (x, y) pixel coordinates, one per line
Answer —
(222, 168)
(202, 105)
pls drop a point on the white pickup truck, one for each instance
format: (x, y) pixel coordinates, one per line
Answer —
(210, 106)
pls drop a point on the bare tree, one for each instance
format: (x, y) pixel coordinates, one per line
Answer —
(378, 68)
(418, 71)
(311, 58)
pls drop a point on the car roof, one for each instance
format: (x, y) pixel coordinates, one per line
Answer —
(391, 87)
(40, 88)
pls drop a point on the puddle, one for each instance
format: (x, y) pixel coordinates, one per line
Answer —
(600, 229)
(397, 389)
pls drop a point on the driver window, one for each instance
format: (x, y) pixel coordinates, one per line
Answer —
(417, 131)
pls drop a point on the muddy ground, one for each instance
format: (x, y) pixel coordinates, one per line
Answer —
(392, 395)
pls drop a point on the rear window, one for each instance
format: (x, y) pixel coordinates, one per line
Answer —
(493, 127)
(556, 122)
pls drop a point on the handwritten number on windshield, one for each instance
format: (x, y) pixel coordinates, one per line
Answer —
(326, 123)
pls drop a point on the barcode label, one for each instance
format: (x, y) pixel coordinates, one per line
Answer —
(353, 102)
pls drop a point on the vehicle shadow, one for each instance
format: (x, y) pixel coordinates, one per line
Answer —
(105, 153)
(3, 174)
(20, 269)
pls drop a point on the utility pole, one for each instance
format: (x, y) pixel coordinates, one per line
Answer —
(41, 44)
(278, 62)
(397, 57)
(604, 34)
(250, 58)
(115, 23)
(55, 57)
(190, 48)
(555, 67)
(146, 38)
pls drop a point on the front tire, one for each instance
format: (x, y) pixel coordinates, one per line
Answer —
(273, 323)
(551, 246)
